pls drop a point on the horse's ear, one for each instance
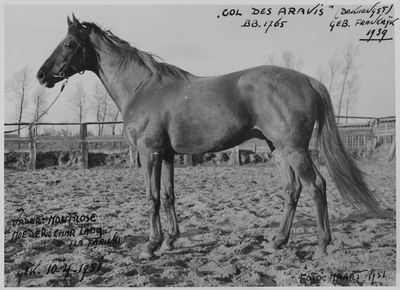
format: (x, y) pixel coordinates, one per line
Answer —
(76, 22)
(69, 21)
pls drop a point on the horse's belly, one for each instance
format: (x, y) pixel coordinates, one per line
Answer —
(202, 139)
(209, 118)
(203, 146)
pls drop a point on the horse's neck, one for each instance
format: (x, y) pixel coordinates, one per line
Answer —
(122, 76)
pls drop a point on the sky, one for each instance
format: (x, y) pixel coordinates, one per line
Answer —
(209, 39)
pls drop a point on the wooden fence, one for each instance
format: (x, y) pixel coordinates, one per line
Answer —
(367, 134)
(83, 139)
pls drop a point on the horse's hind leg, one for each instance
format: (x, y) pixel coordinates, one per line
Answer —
(303, 166)
(168, 199)
(292, 187)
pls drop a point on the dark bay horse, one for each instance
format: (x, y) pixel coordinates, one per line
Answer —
(168, 111)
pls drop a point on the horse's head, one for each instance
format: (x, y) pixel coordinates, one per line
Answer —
(71, 56)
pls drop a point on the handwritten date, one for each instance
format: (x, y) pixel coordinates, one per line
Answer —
(65, 270)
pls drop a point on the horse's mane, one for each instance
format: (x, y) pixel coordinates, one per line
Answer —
(148, 59)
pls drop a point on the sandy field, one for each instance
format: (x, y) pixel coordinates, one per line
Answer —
(74, 227)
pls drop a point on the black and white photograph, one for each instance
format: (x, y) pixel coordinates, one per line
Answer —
(199, 143)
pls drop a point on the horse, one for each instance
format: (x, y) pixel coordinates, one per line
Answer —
(167, 111)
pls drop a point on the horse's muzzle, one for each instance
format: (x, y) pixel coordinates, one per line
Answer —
(41, 76)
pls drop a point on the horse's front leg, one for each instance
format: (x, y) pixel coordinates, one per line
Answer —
(151, 162)
(168, 199)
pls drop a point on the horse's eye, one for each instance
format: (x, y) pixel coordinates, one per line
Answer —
(68, 45)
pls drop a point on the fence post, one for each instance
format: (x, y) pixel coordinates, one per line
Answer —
(371, 144)
(32, 149)
(188, 160)
(84, 146)
(235, 156)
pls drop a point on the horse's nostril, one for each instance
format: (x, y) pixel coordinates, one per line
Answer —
(40, 75)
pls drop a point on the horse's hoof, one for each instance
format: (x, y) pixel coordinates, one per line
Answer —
(320, 254)
(167, 247)
(271, 248)
(146, 255)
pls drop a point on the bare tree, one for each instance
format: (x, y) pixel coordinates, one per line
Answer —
(333, 67)
(349, 54)
(39, 102)
(20, 86)
(78, 102)
(115, 116)
(100, 105)
(321, 74)
(291, 61)
(7, 86)
(352, 91)
(287, 59)
(327, 75)
(272, 59)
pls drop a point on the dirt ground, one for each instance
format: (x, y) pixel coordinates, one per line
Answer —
(75, 227)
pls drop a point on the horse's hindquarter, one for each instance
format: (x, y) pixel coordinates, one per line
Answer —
(283, 104)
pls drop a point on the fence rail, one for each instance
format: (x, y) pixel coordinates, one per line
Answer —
(354, 135)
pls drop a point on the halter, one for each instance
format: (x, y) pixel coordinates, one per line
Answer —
(61, 74)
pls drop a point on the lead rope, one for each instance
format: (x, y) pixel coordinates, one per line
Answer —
(45, 112)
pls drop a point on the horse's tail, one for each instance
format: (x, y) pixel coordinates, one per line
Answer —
(346, 175)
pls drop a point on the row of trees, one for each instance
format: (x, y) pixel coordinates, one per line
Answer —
(100, 103)
(30, 101)
(18, 91)
(340, 75)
